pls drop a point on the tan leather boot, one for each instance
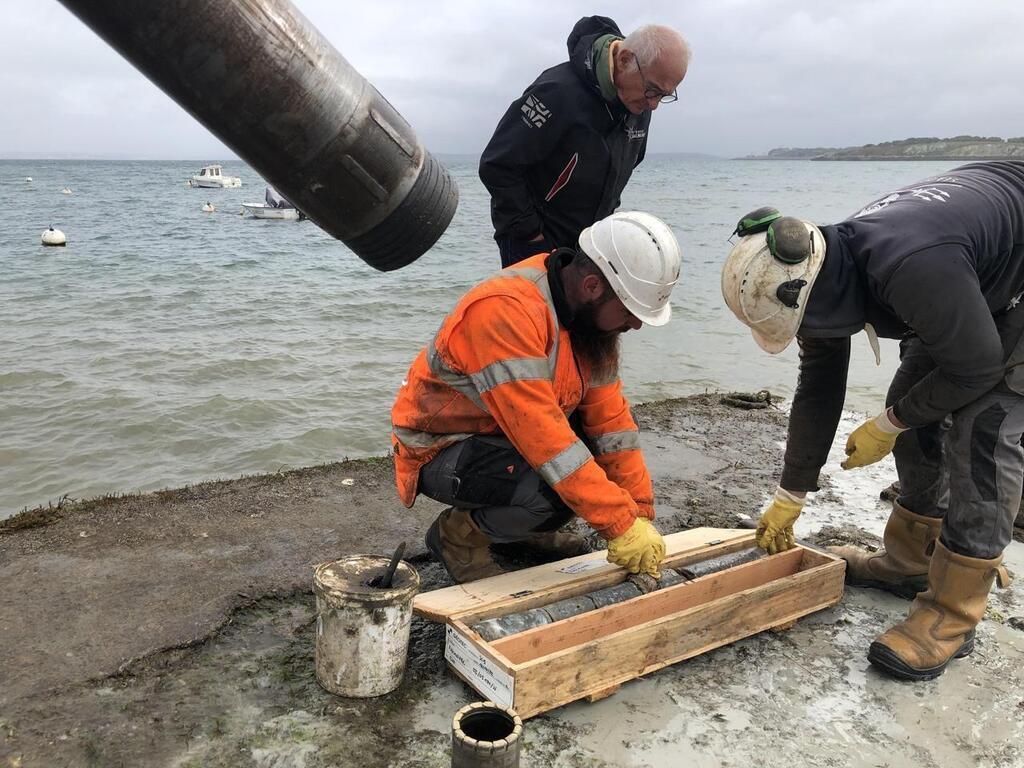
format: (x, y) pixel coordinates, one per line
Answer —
(559, 544)
(941, 623)
(461, 547)
(902, 566)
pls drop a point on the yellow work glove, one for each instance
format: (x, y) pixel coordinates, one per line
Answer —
(640, 549)
(871, 441)
(775, 528)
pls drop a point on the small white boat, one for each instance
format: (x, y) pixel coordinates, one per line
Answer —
(66, 191)
(264, 211)
(210, 177)
(28, 178)
(275, 207)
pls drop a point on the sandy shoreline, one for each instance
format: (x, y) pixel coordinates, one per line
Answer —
(174, 628)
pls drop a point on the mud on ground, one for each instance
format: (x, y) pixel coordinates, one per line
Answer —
(176, 629)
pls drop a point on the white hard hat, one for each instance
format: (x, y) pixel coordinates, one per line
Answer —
(640, 258)
(768, 276)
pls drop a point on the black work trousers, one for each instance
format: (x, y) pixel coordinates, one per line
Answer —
(514, 250)
(507, 499)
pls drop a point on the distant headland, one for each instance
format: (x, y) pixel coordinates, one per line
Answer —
(930, 148)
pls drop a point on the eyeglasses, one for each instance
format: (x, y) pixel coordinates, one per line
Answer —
(650, 92)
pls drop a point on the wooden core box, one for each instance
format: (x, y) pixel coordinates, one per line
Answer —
(590, 655)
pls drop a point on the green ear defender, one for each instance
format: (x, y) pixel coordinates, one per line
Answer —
(788, 238)
(789, 241)
(756, 221)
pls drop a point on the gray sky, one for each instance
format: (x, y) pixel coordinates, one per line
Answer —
(764, 74)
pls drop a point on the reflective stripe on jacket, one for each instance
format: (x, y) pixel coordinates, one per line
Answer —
(501, 362)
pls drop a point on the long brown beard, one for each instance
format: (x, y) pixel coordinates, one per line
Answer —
(598, 350)
(600, 353)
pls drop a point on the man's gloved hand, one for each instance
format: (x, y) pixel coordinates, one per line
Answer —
(872, 440)
(640, 549)
(775, 528)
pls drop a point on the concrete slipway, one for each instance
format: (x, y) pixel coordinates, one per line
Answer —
(174, 629)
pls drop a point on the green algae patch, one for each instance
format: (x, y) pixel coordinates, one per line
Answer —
(30, 518)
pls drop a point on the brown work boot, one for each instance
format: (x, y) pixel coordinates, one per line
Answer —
(461, 547)
(558, 544)
(902, 566)
(941, 623)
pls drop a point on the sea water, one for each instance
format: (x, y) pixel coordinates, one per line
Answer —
(165, 346)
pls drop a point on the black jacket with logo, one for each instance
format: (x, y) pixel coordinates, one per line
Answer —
(942, 260)
(561, 155)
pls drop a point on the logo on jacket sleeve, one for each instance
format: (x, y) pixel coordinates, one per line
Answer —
(535, 114)
(929, 194)
(632, 134)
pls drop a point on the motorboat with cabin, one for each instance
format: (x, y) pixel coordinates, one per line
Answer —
(210, 177)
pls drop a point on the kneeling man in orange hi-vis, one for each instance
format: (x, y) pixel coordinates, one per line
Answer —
(482, 421)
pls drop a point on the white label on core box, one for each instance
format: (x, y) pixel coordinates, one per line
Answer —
(586, 565)
(482, 673)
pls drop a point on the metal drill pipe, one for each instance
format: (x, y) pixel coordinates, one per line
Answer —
(261, 77)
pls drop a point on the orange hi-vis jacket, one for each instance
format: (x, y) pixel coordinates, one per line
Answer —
(502, 362)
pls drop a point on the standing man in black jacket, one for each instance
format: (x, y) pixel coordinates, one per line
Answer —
(563, 152)
(939, 265)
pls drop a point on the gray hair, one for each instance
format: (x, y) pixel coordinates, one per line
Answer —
(652, 41)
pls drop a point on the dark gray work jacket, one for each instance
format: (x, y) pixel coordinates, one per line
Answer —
(943, 260)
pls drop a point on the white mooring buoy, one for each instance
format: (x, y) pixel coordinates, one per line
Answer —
(66, 191)
(209, 207)
(54, 237)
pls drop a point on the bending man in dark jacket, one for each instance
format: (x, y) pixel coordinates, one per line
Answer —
(563, 152)
(940, 265)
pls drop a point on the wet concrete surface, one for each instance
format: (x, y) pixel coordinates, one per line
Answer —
(178, 631)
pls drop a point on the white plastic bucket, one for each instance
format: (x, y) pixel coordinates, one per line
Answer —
(362, 632)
